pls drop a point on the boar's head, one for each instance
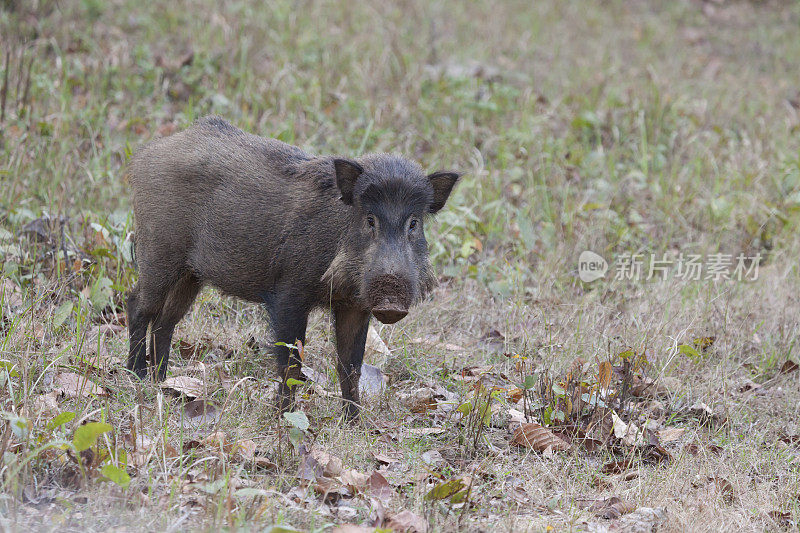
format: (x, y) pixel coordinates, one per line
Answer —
(384, 252)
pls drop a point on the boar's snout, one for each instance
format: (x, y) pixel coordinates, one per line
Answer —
(389, 314)
(389, 297)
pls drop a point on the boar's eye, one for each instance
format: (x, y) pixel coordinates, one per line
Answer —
(412, 225)
(371, 220)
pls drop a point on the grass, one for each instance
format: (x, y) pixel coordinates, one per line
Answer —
(617, 127)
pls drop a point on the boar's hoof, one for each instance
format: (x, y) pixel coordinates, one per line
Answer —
(351, 411)
(389, 314)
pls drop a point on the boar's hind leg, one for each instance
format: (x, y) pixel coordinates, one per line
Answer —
(289, 326)
(351, 336)
(178, 302)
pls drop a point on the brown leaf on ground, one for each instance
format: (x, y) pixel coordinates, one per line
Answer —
(331, 465)
(189, 350)
(782, 519)
(538, 438)
(354, 479)
(670, 434)
(601, 425)
(724, 489)
(628, 433)
(419, 401)
(309, 468)
(249, 451)
(187, 386)
(11, 294)
(716, 486)
(386, 458)
(693, 448)
(407, 522)
(473, 373)
(604, 375)
(379, 488)
(619, 466)
(75, 385)
(218, 441)
(648, 388)
(44, 405)
(198, 413)
(792, 439)
(608, 508)
(789, 366)
(514, 394)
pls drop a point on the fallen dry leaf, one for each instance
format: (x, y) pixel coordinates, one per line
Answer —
(354, 479)
(604, 375)
(407, 522)
(380, 488)
(538, 438)
(44, 405)
(419, 401)
(781, 518)
(601, 426)
(724, 489)
(629, 434)
(514, 394)
(608, 508)
(218, 441)
(198, 413)
(715, 486)
(75, 385)
(376, 350)
(385, 458)
(309, 468)
(789, 366)
(249, 451)
(648, 388)
(372, 381)
(671, 434)
(619, 466)
(189, 350)
(187, 386)
(11, 294)
(331, 465)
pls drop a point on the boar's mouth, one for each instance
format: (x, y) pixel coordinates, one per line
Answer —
(389, 298)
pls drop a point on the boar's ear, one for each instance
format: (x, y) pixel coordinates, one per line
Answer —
(443, 183)
(347, 172)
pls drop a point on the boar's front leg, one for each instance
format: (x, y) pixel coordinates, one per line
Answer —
(351, 336)
(289, 326)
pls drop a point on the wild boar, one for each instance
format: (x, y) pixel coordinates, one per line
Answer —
(269, 223)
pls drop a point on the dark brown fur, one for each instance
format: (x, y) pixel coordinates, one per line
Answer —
(269, 223)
